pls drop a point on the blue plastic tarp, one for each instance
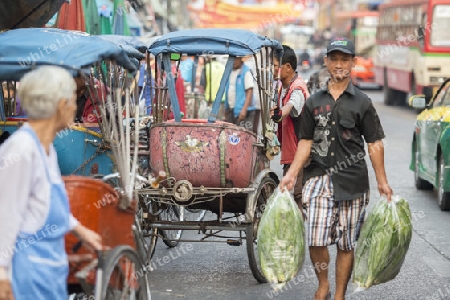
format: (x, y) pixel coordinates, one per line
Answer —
(234, 42)
(21, 50)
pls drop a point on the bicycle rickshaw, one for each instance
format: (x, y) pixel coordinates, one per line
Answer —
(206, 164)
(99, 199)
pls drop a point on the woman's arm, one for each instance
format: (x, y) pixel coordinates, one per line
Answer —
(6, 290)
(89, 237)
(16, 174)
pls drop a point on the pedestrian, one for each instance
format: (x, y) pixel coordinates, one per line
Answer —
(291, 99)
(210, 81)
(333, 127)
(239, 103)
(35, 214)
(88, 108)
(146, 85)
(187, 68)
(179, 90)
(250, 62)
(304, 56)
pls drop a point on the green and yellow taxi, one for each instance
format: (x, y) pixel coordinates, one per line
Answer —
(431, 144)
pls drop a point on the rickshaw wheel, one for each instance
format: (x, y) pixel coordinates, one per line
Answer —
(265, 189)
(171, 213)
(125, 277)
(142, 247)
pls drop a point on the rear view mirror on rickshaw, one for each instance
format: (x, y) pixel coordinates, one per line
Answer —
(418, 101)
(175, 56)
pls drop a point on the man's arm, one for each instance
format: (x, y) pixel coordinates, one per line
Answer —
(248, 101)
(286, 110)
(301, 156)
(374, 135)
(294, 106)
(376, 154)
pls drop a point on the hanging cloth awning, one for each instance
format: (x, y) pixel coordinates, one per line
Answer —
(71, 16)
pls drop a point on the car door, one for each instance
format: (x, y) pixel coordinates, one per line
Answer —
(432, 130)
(441, 124)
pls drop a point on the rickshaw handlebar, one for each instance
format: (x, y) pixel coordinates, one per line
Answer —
(111, 176)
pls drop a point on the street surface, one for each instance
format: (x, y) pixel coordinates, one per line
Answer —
(200, 271)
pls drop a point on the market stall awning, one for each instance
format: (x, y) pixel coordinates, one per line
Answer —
(91, 16)
(71, 16)
(120, 21)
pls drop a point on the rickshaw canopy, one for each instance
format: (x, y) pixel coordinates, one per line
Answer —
(209, 41)
(122, 40)
(21, 50)
(234, 42)
(133, 47)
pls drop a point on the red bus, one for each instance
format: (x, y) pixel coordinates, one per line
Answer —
(412, 54)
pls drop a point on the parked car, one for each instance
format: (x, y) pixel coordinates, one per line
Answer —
(431, 144)
(362, 74)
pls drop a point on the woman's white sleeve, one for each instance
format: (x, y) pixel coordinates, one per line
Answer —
(73, 222)
(16, 177)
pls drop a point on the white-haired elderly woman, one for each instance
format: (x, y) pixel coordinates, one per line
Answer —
(34, 208)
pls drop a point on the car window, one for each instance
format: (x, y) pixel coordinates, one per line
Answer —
(446, 98)
(442, 95)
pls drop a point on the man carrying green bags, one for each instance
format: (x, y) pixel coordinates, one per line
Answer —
(334, 125)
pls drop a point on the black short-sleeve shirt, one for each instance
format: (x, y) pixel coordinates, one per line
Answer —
(338, 130)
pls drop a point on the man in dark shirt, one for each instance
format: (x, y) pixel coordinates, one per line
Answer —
(334, 125)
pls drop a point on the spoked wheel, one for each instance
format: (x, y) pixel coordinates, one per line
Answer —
(265, 190)
(124, 276)
(145, 237)
(145, 246)
(171, 213)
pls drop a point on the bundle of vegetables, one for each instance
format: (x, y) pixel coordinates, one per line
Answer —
(384, 241)
(281, 239)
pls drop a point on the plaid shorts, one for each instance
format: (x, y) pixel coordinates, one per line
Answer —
(329, 221)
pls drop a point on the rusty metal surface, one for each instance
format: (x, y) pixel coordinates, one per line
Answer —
(95, 205)
(212, 155)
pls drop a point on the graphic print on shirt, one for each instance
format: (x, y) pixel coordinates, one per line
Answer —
(321, 133)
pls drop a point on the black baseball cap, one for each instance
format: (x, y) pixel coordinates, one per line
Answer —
(341, 44)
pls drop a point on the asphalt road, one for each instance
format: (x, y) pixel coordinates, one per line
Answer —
(200, 271)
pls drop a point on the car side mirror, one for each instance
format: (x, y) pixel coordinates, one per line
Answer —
(418, 101)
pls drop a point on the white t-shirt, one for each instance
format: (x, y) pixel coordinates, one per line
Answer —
(251, 64)
(25, 190)
(297, 100)
(248, 83)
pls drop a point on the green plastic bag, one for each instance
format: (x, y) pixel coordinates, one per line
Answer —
(383, 243)
(281, 239)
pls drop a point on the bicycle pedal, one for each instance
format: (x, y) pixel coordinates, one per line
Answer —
(234, 242)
